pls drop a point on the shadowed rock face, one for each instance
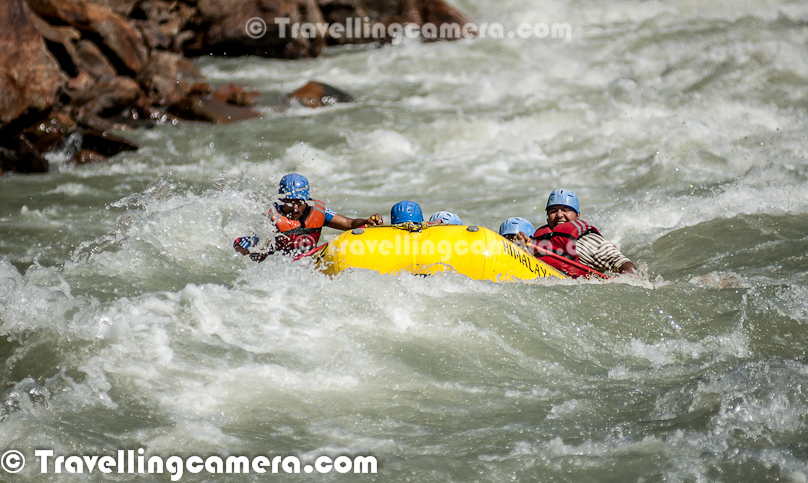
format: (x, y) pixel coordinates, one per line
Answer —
(78, 69)
(211, 110)
(29, 75)
(120, 41)
(222, 25)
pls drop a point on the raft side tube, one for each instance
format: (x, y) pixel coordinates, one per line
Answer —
(422, 249)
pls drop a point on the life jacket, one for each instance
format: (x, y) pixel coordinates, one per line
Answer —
(300, 234)
(561, 241)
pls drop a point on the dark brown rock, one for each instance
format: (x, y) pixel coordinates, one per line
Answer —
(8, 159)
(105, 143)
(233, 94)
(85, 156)
(90, 59)
(317, 94)
(90, 121)
(90, 43)
(51, 133)
(23, 158)
(437, 13)
(201, 89)
(440, 13)
(226, 24)
(60, 12)
(107, 98)
(29, 75)
(162, 12)
(154, 38)
(123, 8)
(123, 40)
(167, 77)
(209, 110)
(410, 12)
(154, 115)
(60, 41)
(223, 24)
(119, 40)
(80, 82)
(342, 12)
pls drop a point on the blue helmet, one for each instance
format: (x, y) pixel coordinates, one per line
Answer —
(446, 217)
(564, 198)
(294, 187)
(516, 224)
(405, 211)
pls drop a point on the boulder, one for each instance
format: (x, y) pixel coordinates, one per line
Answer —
(123, 8)
(438, 13)
(201, 89)
(107, 98)
(226, 27)
(317, 94)
(210, 110)
(229, 27)
(60, 130)
(167, 77)
(72, 71)
(159, 21)
(86, 156)
(60, 41)
(23, 158)
(91, 60)
(419, 12)
(104, 143)
(120, 41)
(234, 94)
(343, 12)
(29, 75)
(80, 82)
(153, 37)
(51, 132)
(87, 120)
(127, 50)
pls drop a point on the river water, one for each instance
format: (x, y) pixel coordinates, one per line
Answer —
(127, 322)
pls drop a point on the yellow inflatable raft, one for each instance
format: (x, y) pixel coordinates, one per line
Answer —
(425, 249)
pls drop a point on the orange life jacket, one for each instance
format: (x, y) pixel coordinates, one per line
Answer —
(301, 234)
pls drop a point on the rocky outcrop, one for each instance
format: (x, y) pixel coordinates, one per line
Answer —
(29, 74)
(121, 42)
(275, 28)
(72, 71)
(30, 78)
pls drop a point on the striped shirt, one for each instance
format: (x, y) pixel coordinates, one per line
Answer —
(596, 252)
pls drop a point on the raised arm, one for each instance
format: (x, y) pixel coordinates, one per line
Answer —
(344, 223)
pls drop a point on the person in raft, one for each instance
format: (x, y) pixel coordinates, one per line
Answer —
(514, 226)
(299, 221)
(406, 212)
(567, 235)
(446, 218)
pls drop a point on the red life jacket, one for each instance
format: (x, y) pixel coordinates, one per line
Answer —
(303, 233)
(561, 241)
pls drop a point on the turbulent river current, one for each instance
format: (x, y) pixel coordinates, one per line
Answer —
(127, 322)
